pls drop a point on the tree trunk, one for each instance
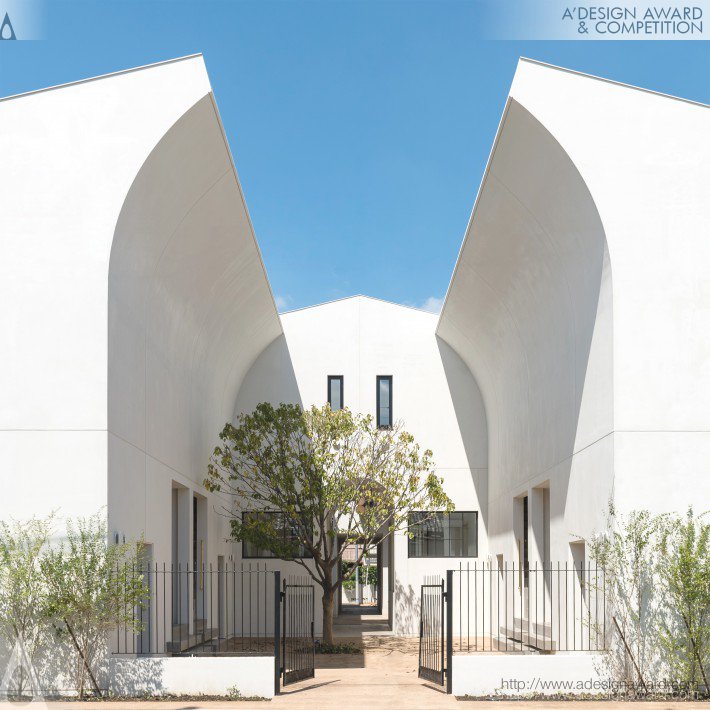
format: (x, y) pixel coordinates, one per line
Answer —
(328, 600)
(85, 664)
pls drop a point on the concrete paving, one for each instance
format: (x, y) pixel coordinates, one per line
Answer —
(384, 676)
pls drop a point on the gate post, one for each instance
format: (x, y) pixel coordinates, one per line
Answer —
(449, 628)
(277, 632)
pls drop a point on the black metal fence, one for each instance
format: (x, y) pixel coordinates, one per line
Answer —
(431, 632)
(298, 635)
(543, 608)
(208, 610)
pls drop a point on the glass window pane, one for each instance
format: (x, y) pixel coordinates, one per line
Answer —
(471, 535)
(288, 530)
(335, 394)
(443, 534)
(384, 401)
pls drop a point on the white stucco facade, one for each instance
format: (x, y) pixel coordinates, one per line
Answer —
(580, 303)
(134, 292)
(569, 364)
(433, 392)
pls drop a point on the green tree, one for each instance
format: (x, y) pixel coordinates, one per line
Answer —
(93, 586)
(684, 574)
(368, 574)
(23, 592)
(627, 552)
(331, 477)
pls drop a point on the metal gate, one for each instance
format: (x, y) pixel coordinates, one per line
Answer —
(432, 644)
(298, 648)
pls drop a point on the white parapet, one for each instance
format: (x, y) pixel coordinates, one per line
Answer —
(482, 674)
(249, 676)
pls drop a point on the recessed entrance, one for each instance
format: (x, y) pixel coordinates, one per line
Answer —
(361, 589)
(365, 596)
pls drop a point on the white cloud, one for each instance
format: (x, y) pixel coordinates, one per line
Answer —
(433, 304)
(281, 302)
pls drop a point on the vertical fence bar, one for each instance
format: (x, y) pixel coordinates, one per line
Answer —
(537, 605)
(449, 629)
(277, 632)
(497, 631)
(133, 611)
(286, 628)
(459, 600)
(475, 601)
(468, 606)
(483, 605)
(505, 591)
(118, 626)
(313, 627)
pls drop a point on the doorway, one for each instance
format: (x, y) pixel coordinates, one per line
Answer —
(361, 589)
(200, 591)
(521, 527)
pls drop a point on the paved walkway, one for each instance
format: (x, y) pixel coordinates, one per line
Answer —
(383, 676)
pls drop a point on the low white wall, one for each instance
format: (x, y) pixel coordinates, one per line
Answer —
(252, 676)
(480, 674)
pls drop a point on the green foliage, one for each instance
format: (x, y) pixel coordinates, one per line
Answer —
(627, 553)
(77, 590)
(233, 693)
(337, 648)
(657, 571)
(93, 586)
(367, 575)
(684, 573)
(334, 477)
(23, 592)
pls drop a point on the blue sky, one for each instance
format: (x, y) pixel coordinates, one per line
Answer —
(360, 130)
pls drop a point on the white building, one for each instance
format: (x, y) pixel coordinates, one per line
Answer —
(570, 363)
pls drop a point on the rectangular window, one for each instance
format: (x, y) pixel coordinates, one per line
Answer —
(290, 531)
(384, 401)
(443, 534)
(335, 392)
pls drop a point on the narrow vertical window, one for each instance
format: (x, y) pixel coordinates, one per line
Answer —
(384, 401)
(335, 392)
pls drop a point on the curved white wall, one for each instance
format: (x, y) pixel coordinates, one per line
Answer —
(591, 390)
(69, 157)
(646, 160)
(189, 310)
(135, 297)
(529, 310)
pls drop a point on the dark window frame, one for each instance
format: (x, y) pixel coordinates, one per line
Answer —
(391, 402)
(410, 541)
(341, 379)
(269, 556)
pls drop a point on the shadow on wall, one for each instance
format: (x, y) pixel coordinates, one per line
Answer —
(56, 668)
(530, 312)
(137, 676)
(271, 378)
(471, 418)
(189, 307)
(406, 609)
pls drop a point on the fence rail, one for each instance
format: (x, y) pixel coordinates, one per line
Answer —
(511, 608)
(298, 649)
(205, 610)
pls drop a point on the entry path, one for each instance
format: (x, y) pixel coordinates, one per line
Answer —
(383, 676)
